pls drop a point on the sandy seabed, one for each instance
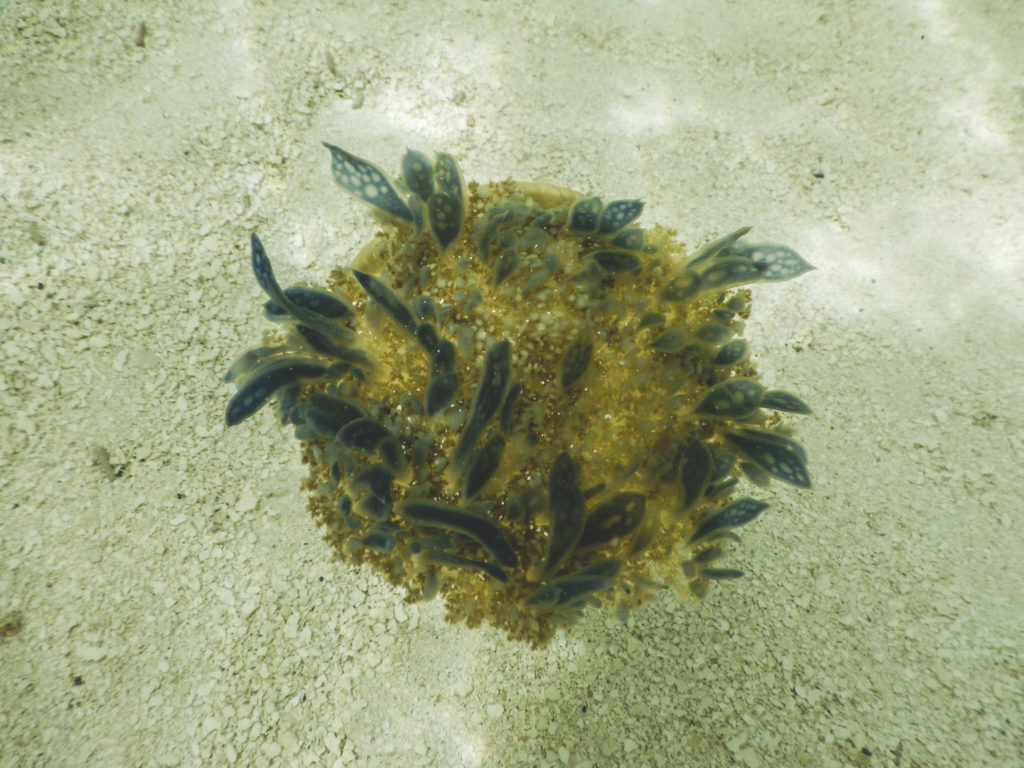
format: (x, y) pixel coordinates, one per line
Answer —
(165, 599)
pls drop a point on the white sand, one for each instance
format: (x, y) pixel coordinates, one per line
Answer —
(176, 603)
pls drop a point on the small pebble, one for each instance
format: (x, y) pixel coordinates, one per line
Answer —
(289, 741)
(271, 749)
(333, 743)
(91, 652)
(246, 502)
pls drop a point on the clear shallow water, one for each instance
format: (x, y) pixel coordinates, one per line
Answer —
(177, 606)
